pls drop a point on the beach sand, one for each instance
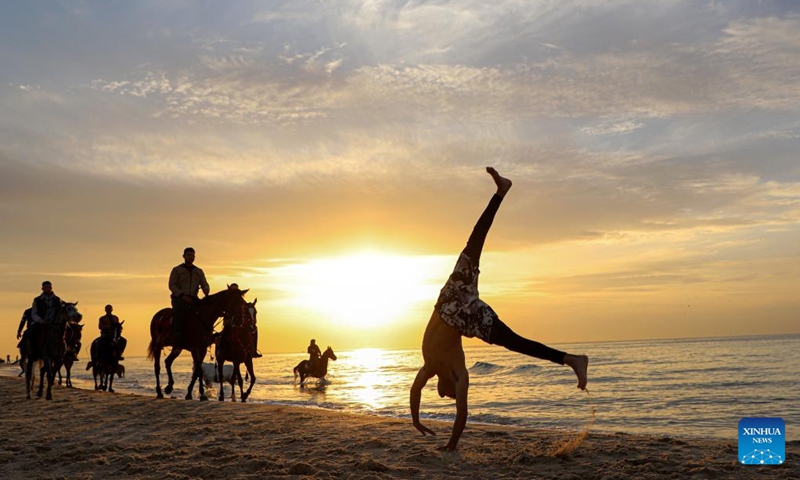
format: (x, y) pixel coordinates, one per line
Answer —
(88, 434)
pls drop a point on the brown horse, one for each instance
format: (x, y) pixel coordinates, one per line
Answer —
(72, 341)
(318, 370)
(199, 325)
(46, 343)
(237, 345)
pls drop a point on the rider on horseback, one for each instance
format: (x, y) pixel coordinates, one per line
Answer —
(44, 310)
(184, 282)
(313, 355)
(108, 325)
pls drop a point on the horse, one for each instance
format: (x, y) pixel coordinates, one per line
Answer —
(105, 359)
(46, 343)
(320, 368)
(237, 345)
(199, 326)
(72, 340)
(210, 375)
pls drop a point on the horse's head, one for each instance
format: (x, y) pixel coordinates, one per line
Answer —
(117, 331)
(250, 312)
(227, 303)
(328, 353)
(72, 334)
(69, 312)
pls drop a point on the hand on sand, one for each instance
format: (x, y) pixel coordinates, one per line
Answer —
(423, 429)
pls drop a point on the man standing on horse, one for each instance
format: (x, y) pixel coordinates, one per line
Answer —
(108, 325)
(184, 282)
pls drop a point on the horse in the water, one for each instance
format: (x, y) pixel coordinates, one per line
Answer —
(72, 342)
(237, 345)
(319, 369)
(199, 326)
(105, 359)
(46, 343)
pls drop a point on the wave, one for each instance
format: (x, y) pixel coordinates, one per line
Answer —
(484, 368)
(528, 367)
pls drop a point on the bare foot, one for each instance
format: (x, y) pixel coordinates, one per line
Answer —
(580, 364)
(503, 184)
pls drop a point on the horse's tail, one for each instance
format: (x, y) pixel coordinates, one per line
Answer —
(295, 372)
(89, 365)
(151, 350)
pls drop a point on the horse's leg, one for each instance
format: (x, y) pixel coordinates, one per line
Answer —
(51, 378)
(198, 356)
(157, 369)
(59, 376)
(40, 391)
(238, 371)
(249, 365)
(28, 379)
(67, 368)
(220, 364)
(111, 380)
(168, 364)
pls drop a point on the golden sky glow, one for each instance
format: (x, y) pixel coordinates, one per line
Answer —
(331, 160)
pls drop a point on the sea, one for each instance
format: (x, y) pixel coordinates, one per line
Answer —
(697, 388)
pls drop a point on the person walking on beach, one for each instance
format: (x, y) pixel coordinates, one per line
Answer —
(184, 282)
(108, 324)
(460, 312)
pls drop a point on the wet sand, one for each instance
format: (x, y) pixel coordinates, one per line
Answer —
(88, 434)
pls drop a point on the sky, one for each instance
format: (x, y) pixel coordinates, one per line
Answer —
(330, 156)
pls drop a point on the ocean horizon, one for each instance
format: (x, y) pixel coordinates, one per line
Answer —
(682, 387)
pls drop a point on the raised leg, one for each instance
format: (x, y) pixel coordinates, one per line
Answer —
(168, 364)
(478, 236)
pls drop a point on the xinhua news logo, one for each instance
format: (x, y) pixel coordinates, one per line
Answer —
(762, 441)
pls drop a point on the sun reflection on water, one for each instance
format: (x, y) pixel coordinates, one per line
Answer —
(370, 376)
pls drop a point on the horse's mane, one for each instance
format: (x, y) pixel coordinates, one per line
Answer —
(214, 297)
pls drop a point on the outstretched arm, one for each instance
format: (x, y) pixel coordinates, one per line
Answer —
(416, 394)
(21, 324)
(462, 388)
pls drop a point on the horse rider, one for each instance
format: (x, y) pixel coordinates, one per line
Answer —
(108, 325)
(229, 317)
(44, 310)
(313, 354)
(184, 282)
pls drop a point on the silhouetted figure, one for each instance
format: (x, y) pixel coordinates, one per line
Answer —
(109, 325)
(314, 354)
(185, 280)
(459, 311)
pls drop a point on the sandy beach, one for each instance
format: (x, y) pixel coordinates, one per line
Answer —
(87, 434)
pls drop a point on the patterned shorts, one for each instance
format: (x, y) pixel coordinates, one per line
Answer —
(459, 305)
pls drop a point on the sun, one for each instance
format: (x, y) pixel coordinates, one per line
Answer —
(364, 289)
